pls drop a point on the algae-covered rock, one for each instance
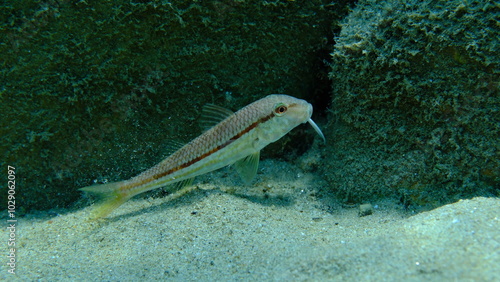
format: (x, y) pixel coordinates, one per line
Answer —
(93, 90)
(416, 101)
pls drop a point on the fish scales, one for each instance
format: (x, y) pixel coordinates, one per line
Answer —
(208, 143)
(233, 139)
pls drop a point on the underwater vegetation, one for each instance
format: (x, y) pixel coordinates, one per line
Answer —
(92, 91)
(416, 89)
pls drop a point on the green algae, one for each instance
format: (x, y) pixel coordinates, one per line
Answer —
(415, 88)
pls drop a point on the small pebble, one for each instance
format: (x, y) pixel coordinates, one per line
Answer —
(365, 209)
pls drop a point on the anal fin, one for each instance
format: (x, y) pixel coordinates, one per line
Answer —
(211, 115)
(184, 183)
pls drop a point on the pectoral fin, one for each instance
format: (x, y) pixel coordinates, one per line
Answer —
(247, 167)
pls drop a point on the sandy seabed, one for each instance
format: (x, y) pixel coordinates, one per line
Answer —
(278, 229)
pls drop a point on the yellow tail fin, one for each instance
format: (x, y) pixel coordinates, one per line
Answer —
(110, 197)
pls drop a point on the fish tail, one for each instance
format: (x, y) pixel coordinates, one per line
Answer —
(110, 197)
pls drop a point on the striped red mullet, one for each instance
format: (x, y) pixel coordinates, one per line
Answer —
(234, 138)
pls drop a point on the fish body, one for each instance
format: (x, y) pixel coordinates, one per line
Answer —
(237, 139)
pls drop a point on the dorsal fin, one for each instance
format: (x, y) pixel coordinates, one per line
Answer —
(212, 114)
(173, 146)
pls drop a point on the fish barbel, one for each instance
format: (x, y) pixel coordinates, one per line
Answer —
(233, 138)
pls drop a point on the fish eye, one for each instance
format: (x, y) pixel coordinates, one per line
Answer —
(280, 109)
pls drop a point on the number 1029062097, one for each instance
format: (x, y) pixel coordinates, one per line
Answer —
(11, 184)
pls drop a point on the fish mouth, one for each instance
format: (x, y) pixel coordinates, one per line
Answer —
(316, 128)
